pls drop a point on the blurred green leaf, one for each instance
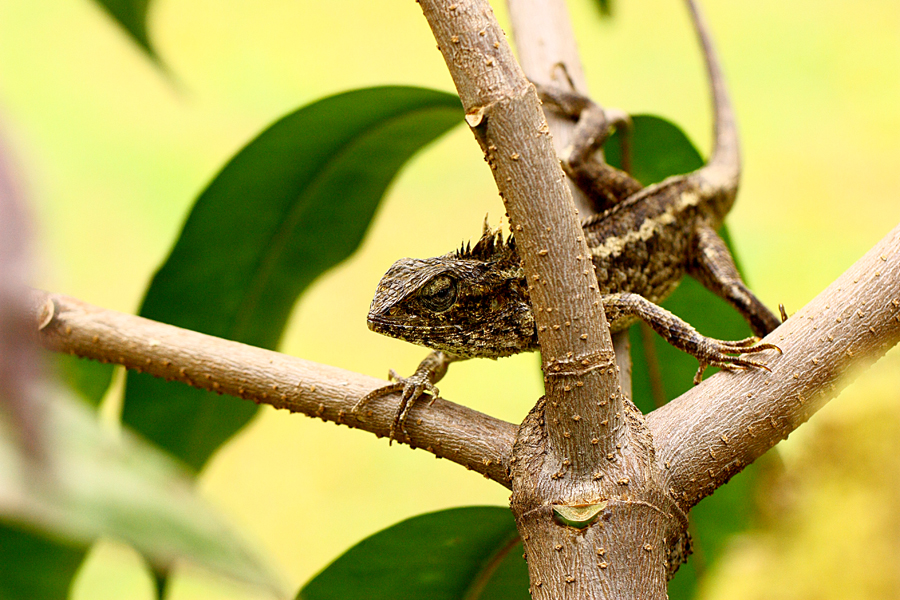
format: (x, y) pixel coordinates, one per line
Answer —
(292, 204)
(34, 567)
(92, 483)
(659, 149)
(132, 15)
(458, 554)
(88, 378)
(605, 7)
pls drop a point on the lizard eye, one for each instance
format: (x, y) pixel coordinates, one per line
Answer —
(439, 293)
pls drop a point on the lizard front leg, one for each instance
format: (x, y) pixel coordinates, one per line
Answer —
(431, 370)
(709, 351)
(603, 184)
(712, 265)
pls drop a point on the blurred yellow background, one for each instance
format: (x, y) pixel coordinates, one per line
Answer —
(113, 150)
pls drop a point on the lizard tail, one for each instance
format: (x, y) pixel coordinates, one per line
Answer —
(724, 165)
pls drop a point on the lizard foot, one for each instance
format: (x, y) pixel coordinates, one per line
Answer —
(411, 389)
(719, 353)
(603, 184)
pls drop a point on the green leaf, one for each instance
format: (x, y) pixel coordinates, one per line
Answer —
(605, 7)
(88, 378)
(292, 204)
(659, 149)
(132, 15)
(34, 567)
(457, 554)
(92, 483)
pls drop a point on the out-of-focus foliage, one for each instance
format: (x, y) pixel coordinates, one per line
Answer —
(292, 204)
(132, 15)
(831, 518)
(88, 378)
(605, 7)
(89, 483)
(34, 567)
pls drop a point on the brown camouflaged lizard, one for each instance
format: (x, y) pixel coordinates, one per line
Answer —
(474, 302)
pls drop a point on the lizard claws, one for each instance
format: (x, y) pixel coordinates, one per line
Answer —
(411, 389)
(718, 356)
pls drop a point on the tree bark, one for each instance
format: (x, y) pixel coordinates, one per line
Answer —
(711, 432)
(542, 32)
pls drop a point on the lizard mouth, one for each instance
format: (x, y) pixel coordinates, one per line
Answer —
(385, 326)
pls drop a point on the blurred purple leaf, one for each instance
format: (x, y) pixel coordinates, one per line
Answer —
(18, 351)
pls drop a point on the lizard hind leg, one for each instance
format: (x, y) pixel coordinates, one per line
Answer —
(603, 184)
(712, 265)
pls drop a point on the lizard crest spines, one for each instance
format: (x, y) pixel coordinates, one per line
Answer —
(491, 246)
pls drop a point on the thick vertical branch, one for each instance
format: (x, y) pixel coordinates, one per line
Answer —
(581, 445)
(504, 112)
(542, 31)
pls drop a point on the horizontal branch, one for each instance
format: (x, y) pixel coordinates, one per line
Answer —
(462, 435)
(716, 429)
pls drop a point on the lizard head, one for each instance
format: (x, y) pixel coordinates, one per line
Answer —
(472, 302)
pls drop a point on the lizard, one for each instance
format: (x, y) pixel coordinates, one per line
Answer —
(474, 302)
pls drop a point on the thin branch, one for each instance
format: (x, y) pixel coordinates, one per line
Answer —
(713, 431)
(448, 430)
(542, 31)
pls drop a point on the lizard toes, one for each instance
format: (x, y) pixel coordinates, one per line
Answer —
(737, 362)
(376, 393)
